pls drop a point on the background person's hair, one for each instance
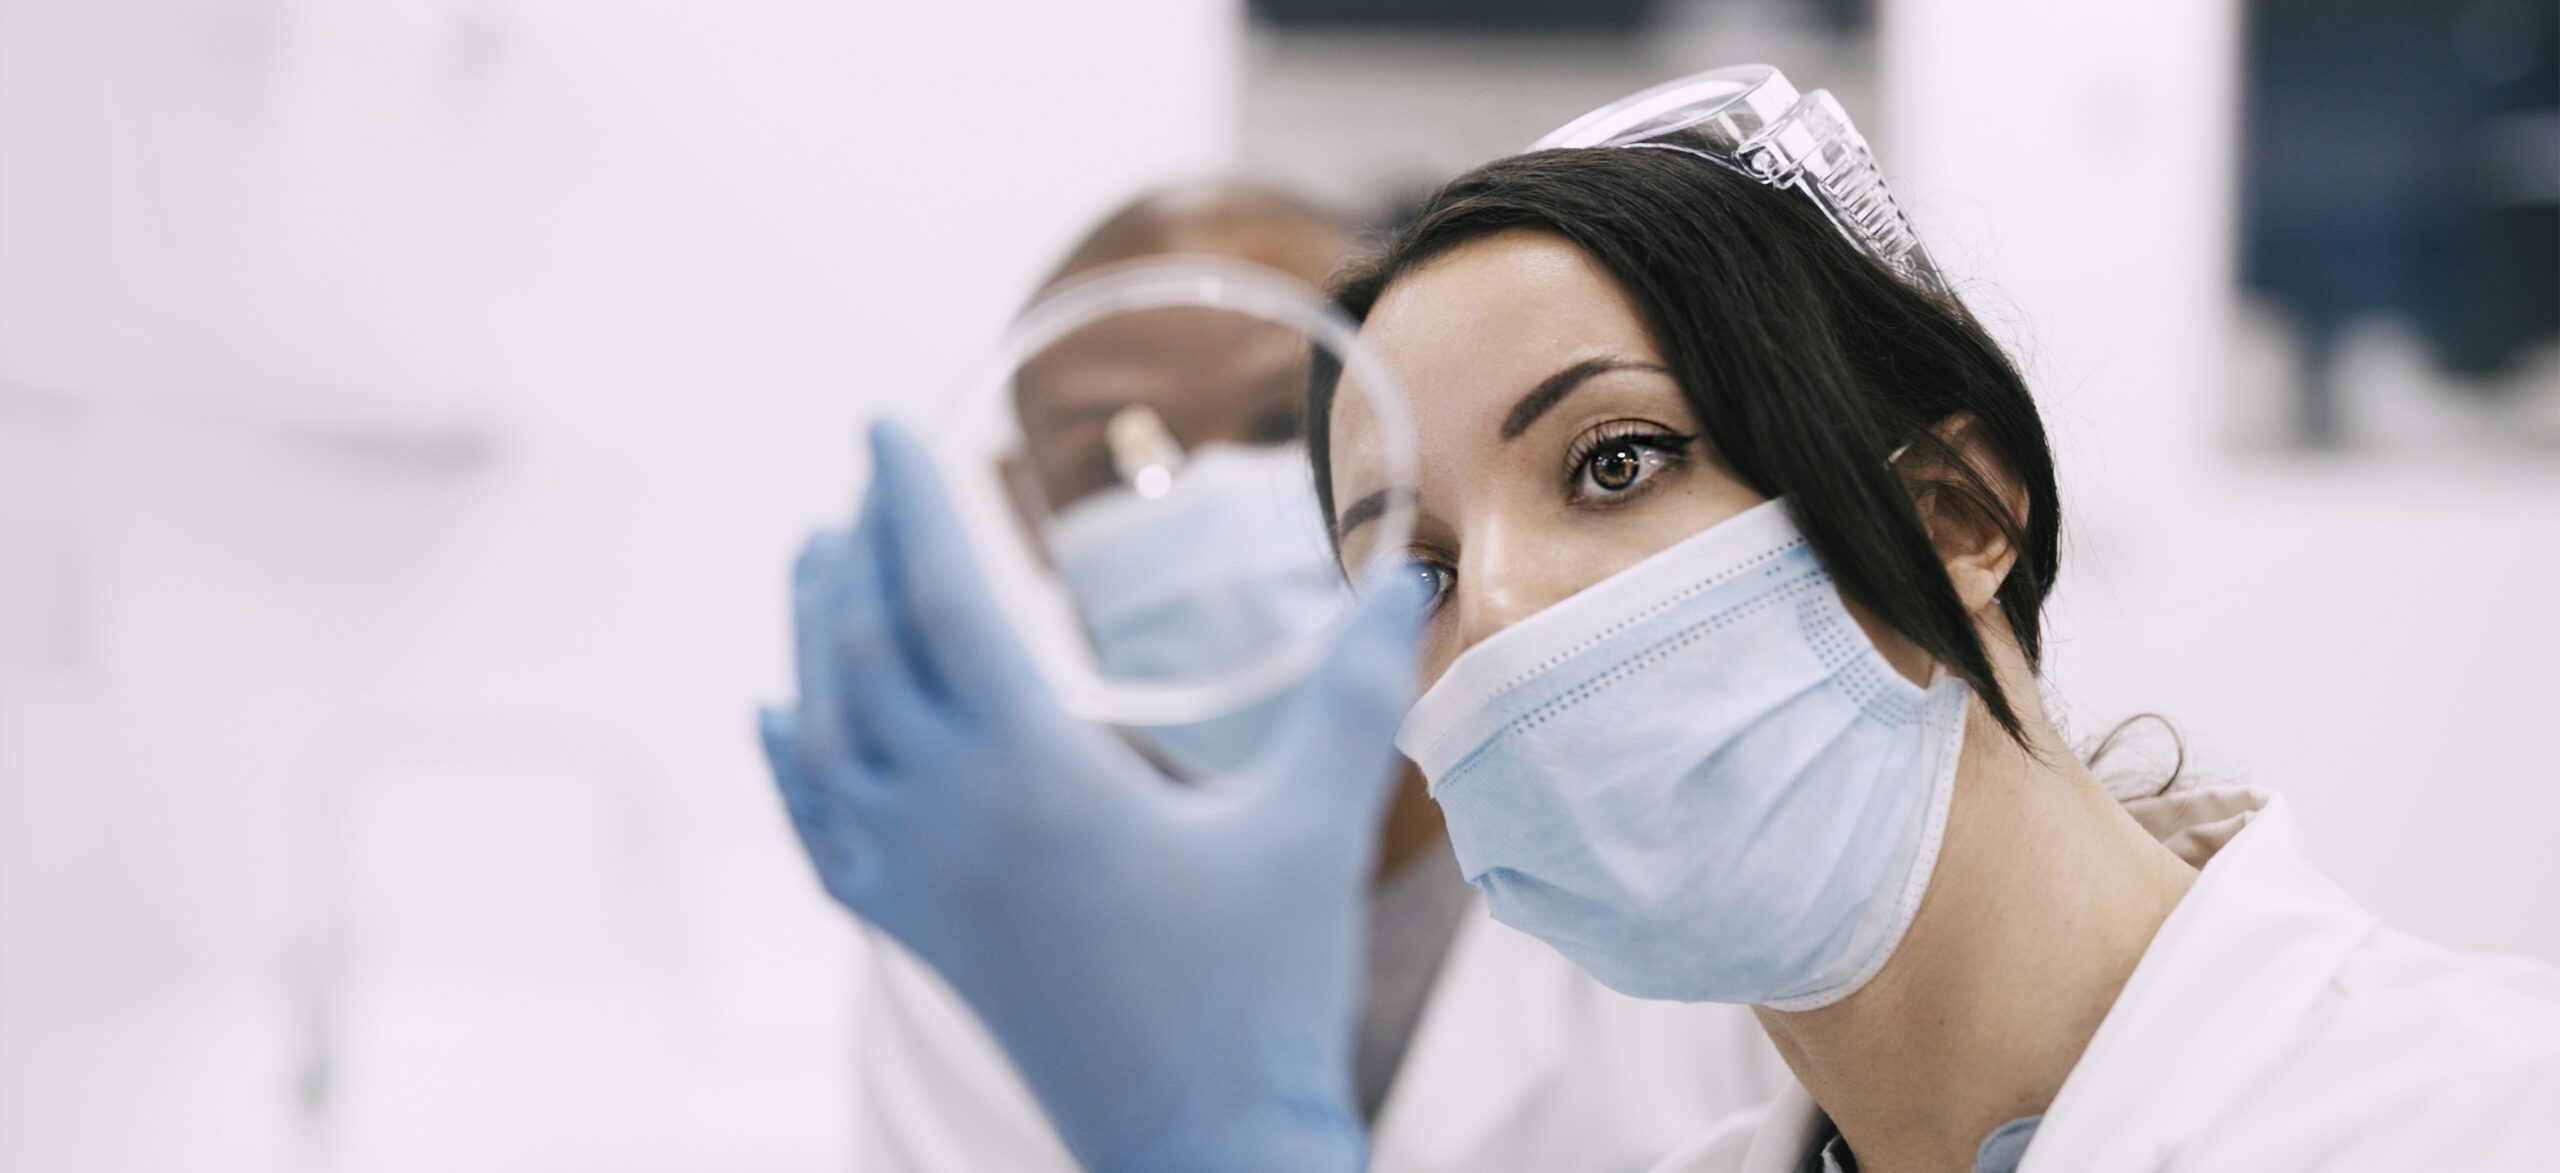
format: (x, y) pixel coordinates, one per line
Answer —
(1808, 365)
(1219, 217)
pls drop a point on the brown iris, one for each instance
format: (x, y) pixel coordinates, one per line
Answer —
(1615, 467)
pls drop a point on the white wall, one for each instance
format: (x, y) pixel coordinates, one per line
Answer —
(2377, 637)
(407, 413)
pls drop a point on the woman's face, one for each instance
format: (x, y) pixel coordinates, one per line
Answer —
(1555, 449)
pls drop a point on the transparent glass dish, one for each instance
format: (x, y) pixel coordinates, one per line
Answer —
(1133, 467)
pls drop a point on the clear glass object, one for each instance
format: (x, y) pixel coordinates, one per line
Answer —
(1750, 118)
(1134, 468)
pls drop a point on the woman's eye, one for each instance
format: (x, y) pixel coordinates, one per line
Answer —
(1617, 465)
(1437, 581)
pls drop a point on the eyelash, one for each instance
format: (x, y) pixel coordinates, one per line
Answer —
(1667, 450)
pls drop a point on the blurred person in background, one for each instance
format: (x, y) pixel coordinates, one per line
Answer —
(1478, 1048)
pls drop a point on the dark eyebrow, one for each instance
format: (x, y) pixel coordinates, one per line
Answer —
(1552, 390)
(1362, 512)
(1549, 392)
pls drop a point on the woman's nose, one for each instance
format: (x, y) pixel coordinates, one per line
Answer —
(1502, 579)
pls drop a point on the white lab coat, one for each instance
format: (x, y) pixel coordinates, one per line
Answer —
(1519, 1062)
(2272, 1025)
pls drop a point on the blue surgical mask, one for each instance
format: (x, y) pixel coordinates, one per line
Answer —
(1697, 779)
(1225, 563)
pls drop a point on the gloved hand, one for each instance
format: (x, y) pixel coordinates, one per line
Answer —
(1173, 970)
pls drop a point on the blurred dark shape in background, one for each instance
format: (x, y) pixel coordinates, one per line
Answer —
(1498, 16)
(2402, 158)
(1593, 16)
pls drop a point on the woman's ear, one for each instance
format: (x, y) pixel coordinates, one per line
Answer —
(1973, 508)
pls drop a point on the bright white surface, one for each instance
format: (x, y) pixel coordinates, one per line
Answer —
(2375, 637)
(422, 400)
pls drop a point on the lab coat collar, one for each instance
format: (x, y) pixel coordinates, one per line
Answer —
(1779, 1142)
(2219, 996)
(1492, 974)
(2211, 1008)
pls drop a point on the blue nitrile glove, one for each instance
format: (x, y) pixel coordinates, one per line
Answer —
(1172, 969)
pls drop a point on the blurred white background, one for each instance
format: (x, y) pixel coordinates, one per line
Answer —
(408, 410)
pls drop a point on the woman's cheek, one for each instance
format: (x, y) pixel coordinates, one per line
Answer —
(1439, 648)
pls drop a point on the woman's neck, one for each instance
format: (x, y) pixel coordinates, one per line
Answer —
(2044, 897)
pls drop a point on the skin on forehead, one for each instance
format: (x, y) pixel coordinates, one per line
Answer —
(1218, 219)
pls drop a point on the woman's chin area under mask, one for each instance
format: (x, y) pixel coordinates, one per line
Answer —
(2043, 899)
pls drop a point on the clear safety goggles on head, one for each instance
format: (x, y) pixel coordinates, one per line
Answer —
(1749, 118)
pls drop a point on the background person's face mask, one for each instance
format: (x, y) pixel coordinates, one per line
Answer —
(1697, 779)
(1230, 559)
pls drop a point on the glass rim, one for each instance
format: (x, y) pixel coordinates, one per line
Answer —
(1174, 281)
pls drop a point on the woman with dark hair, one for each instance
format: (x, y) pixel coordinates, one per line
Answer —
(1731, 537)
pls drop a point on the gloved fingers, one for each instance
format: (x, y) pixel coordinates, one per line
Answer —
(793, 773)
(1334, 751)
(821, 584)
(824, 806)
(961, 645)
(854, 682)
